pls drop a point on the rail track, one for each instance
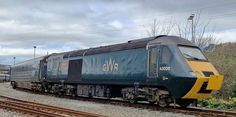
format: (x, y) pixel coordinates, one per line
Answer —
(37, 109)
(190, 111)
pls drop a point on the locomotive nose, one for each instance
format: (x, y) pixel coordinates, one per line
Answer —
(208, 80)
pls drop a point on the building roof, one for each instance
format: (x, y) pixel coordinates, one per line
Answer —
(4, 67)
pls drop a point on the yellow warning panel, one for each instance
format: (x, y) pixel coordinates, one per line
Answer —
(193, 93)
(215, 82)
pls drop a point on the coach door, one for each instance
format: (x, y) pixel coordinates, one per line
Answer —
(42, 70)
(74, 71)
(153, 62)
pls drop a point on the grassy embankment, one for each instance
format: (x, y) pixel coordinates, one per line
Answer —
(224, 59)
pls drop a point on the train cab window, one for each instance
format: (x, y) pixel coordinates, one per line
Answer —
(166, 56)
(153, 62)
(192, 53)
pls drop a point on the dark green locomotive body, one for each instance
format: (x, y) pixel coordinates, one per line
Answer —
(146, 62)
(158, 67)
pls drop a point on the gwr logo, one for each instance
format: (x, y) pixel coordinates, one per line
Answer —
(110, 66)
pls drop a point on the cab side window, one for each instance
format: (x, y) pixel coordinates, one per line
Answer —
(166, 56)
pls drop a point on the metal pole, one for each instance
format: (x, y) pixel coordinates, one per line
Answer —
(154, 28)
(191, 18)
(14, 62)
(34, 50)
(192, 33)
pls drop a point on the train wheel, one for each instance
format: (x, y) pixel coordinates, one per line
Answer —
(129, 97)
(90, 95)
(163, 103)
(13, 84)
(74, 91)
(184, 103)
(132, 101)
(152, 102)
(108, 93)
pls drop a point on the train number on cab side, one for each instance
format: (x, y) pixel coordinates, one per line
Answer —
(164, 68)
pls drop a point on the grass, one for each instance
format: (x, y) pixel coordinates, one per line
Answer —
(224, 59)
(212, 102)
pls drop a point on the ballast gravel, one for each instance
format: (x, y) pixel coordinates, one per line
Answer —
(86, 106)
(6, 113)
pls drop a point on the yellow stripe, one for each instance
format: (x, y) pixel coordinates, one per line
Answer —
(215, 82)
(197, 67)
(193, 93)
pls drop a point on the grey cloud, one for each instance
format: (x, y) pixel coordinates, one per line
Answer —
(76, 24)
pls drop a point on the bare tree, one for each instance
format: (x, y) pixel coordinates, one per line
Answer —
(200, 37)
(183, 30)
(201, 34)
(158, 28)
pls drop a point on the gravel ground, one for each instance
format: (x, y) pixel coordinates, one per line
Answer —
(92, 107)
(6, 113)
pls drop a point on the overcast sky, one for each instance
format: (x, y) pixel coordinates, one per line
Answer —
(64, 25)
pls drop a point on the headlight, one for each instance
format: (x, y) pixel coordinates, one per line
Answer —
(192, 74)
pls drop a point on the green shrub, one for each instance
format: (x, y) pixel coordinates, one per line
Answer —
(212, 102)
(233, 90)
(224, 59)
(233, 102)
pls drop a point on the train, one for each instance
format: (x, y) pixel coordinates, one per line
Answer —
(160, 70)
(4, 73)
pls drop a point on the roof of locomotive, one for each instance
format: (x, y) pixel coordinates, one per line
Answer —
(132, 44)
(167, 40)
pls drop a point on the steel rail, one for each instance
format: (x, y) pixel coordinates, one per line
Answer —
(17, 108)
(190, 111)
(42, 108)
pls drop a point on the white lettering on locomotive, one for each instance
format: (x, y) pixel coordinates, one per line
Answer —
(164, 68)
(110, 65)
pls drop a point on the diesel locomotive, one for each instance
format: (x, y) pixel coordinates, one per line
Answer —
(161, 70)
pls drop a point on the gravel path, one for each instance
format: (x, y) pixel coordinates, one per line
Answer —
(92, 107)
